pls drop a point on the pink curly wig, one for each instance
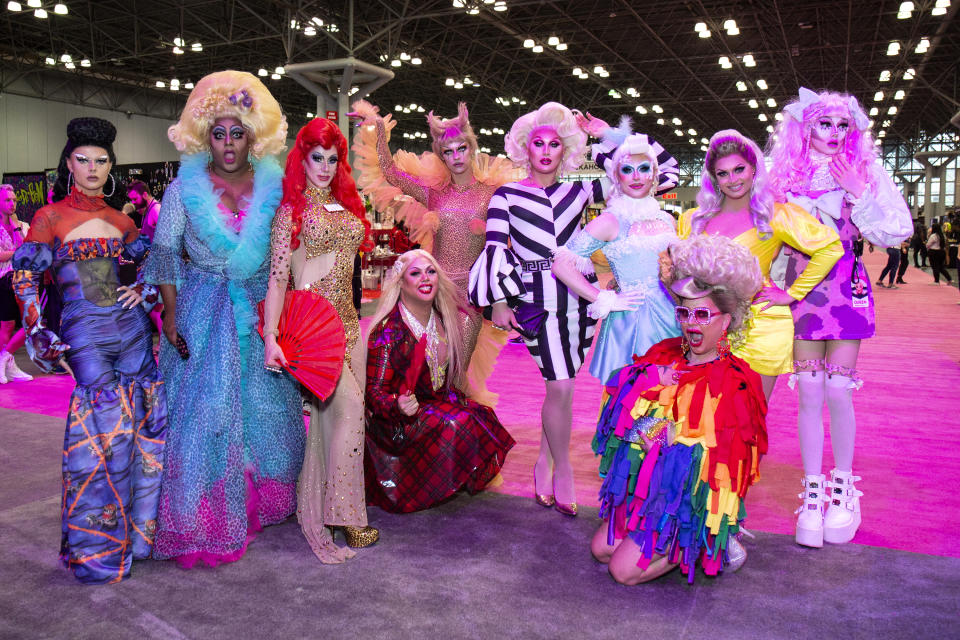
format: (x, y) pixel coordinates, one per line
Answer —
(324, 133)
(788, 148)
(709, 200)
(557, 117)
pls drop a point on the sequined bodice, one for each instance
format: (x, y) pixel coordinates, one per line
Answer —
(327, 227)
(455, 245)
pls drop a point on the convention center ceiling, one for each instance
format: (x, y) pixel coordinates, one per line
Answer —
(682, 69)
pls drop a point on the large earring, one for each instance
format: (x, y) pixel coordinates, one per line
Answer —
(113, 186)
(723, 345)
(69, 182)
(684, 345)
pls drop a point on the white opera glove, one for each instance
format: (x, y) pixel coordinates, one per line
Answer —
(608, 301)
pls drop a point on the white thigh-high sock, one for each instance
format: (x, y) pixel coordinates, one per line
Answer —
(843, 422)
(810, 420)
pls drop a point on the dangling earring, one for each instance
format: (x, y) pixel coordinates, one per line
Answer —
(69, 182)
(684, 345)
(723, 345)
(113, 186)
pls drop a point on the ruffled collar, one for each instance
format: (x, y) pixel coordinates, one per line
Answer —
(437, 368)
(818, 158)
(632, 210)
(83, 202)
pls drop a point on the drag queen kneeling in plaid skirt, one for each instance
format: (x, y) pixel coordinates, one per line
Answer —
(425, 440)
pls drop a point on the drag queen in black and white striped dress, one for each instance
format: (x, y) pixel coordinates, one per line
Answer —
(536, 216)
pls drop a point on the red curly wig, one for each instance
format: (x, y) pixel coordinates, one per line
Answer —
(325, 134)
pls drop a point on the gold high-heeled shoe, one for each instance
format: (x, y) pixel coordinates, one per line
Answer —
(545, 500)
(360, 537)
(567, 509)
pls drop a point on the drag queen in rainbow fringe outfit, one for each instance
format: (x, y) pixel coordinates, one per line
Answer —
(682, 429)
(236, 431)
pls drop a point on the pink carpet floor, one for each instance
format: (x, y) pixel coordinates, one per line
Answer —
(908, 425)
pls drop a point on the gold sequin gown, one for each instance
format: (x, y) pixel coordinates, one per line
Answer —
(330, 490)
(457, 243)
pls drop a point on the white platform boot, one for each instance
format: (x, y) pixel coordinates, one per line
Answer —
(12, 371)
(843, 515)
(810, 520)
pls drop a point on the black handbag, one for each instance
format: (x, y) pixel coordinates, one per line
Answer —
(529, 316)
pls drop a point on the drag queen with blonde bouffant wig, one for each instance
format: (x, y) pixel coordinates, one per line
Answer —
(425, 440)
(316, 234)
(237, 434)
(527, 221)
(682, 429)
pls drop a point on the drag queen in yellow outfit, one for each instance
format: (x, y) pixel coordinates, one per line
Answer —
(735, 201)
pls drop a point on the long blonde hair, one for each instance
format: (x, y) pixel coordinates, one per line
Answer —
(446, 303)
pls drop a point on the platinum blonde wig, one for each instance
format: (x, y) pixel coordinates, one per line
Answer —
(635, 144)
(231, 94)
(557, 117)
(723, 267)
(446, 303)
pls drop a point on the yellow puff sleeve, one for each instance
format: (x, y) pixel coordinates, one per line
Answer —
(792, 225)
(684, 224)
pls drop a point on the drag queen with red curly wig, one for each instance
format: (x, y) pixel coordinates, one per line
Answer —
(316, 234)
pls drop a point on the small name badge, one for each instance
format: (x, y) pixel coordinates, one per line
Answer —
(333, 206)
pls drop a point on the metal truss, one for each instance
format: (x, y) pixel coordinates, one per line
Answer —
(649, 54)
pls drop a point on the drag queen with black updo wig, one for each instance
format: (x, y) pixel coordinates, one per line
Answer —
(113, 448)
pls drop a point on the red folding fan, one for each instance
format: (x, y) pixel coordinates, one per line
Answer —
(313, 340)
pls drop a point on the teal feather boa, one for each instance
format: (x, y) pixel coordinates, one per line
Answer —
(244, 252)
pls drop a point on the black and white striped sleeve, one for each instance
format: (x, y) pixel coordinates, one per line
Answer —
(667, 167)
(495, 276)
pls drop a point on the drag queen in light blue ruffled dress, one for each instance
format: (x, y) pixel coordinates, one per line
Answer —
(631, 232)
(236, 431)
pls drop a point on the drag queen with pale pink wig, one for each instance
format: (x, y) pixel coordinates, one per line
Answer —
(823, 158)
(316, 234)
(441, 196)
